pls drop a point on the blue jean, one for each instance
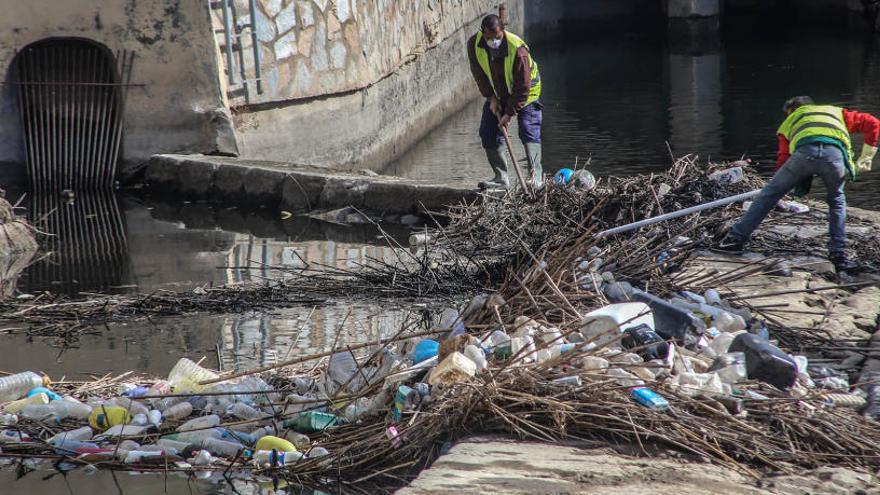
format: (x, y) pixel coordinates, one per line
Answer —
(529, 120)
(829, 164)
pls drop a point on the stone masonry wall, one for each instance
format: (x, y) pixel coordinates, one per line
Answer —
(319, 47)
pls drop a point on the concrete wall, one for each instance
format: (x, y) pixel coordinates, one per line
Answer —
(180, 105)
(352, 84)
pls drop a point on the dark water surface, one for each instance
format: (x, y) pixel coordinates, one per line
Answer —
(618, 92)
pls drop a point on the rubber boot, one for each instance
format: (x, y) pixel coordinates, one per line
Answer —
(533, 155)
(499, 166)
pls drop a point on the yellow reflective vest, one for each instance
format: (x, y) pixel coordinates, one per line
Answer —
(818, 121)
(513, 43)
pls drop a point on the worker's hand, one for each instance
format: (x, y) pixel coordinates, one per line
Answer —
(495, 106)
(504, 121)
(863, 164)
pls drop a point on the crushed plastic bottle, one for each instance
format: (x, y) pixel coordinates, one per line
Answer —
(273, 458)
(730, 367)
(243, 411)
(177, 412)
(186, 376)
(200, 423)
(80, 434)
(221, 447)
(766, 362)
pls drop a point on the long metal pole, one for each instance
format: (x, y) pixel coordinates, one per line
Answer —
(50, 110)
(255, 42)
(679, 213)
(25, 108)
(91, 131)
(69, 179)
(227, 36)
(106, 104)
(125, 79)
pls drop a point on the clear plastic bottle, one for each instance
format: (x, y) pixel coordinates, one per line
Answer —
(209, 421)
(243, 411)
(16, 406)
(8, 419)
(476, 355)
(169, 444)
(168, 402)
(195, 436)
(16, 386)
(122, 430)
(186, 376)
(132, 406)
(178, 411)
(217, 446)
(79, 434)
(76, 409)
(263, 431)
(299, 440)
(54, 411)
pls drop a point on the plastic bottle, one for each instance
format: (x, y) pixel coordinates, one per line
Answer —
(80, 434)
(13, 436)
(15, 386)
(161, 387)
(730, 367)
(203, 458)
(53, 411)
(406, 399)
(243, 411)
(186, 376)
(568, 381)
(648, 398)
(625, 378)
(122, 430)
(765, 362)
(593, 363)
(168, 444)
(299, 440)
(218, 446)
(76, 409)
(138, 456)
(342, 369)
(311, 421)
(499, 342)
(38, 390)
(70, 446)
(163, 404)
(523, 349)
(178, 411)
(136, 392)
(476, 355)
(274, 458)
(16, 406)
(263, 431)
(132, 406)
(140, 420)
(195, 436)
(455, 368)
(155, 417)
(209, 421)
(317, 452)
(8, 419)
(721, 343)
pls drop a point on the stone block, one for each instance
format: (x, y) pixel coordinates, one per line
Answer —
(392, 197)
(161, 171)
(194, 178)
(437, 197)
(340, 191)
(302, 192)
(229, 181)
(263, 186)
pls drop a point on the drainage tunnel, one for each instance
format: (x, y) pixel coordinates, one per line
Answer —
(71, 96)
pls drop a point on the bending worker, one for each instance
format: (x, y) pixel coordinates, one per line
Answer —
(508, 78)
(814, 140)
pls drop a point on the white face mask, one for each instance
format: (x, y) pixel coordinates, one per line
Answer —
(494, 44)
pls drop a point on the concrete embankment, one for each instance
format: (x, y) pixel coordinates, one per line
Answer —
(235, 181)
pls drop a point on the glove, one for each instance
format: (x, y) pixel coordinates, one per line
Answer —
(863, 164)
(802, 188)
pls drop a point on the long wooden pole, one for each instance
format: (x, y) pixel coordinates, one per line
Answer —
(519, 175)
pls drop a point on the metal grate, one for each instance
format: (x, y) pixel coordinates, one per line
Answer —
(71, 98)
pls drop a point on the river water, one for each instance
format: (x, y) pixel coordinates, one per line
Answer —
(614, 96)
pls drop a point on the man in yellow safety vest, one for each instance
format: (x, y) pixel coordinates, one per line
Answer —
(814, 140)
(508, 78)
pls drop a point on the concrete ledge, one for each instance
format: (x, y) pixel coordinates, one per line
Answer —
(236, 181)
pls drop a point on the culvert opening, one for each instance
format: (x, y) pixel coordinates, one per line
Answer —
(71, 96)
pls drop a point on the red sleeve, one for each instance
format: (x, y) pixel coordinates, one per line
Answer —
(864, 123)
(522, 82)
(782, 154)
